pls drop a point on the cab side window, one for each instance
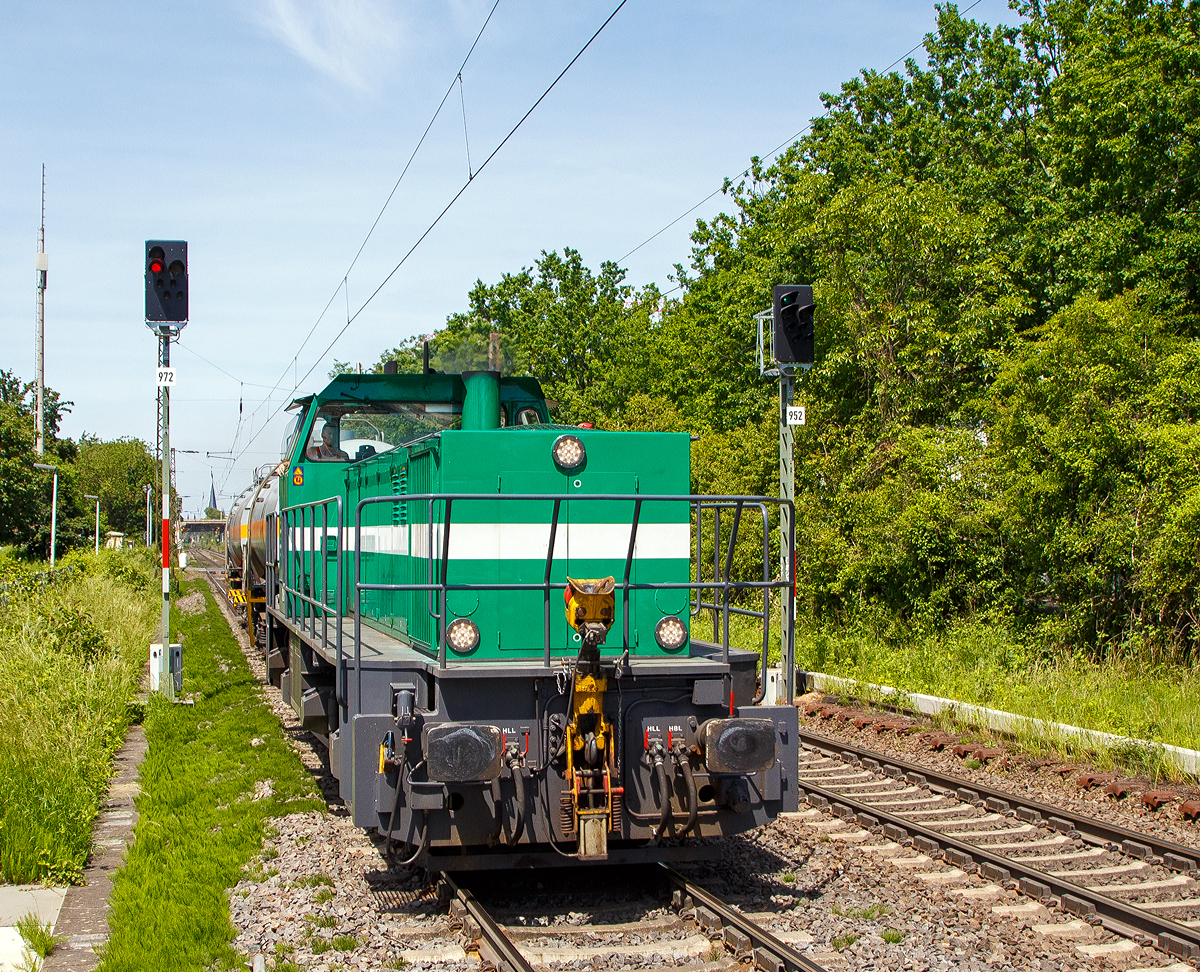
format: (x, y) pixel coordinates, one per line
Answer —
(324, 444)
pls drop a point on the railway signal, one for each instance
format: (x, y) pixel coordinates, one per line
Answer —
(166, 316)
(166, 280)
(792, 311)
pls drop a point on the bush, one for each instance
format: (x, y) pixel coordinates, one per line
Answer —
(71, 655)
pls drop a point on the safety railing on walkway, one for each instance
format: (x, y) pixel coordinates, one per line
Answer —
(438, 586)
(307, 573)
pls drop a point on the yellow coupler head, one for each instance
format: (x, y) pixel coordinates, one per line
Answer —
(590, 608)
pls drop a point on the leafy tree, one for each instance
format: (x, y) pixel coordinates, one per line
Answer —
(21, 395)
(117, 471)
(1003, 244)
(20, 484)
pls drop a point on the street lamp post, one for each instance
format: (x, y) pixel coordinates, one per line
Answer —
(53, 507)
(97, 499)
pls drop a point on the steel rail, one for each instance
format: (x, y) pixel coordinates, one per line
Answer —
(509, 957)
(1117, 916)
(769, 952)
(1094, 831)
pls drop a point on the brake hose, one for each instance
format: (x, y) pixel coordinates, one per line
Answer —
(387, 844)
(519, 782)
(685, 767)
(664, 788)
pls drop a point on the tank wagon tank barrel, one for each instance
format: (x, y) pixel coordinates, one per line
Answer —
(494, 623)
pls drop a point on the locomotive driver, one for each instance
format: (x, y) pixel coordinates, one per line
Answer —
(328, 449)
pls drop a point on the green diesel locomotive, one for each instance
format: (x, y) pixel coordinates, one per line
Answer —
(495, 624)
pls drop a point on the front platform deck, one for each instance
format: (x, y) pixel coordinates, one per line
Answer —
(380, 651)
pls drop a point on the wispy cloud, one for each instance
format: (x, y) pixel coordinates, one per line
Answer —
(349, 40)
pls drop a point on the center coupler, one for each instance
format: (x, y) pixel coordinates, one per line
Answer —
(592, 804)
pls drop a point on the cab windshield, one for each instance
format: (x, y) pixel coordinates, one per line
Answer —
(352, 431)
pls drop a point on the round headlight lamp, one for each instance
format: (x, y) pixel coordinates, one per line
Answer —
(462, 637)
(670, 633)
(568, 453)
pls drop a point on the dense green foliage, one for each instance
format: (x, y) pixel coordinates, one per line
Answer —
(1006, 257)
(72, 651)
(215, 774)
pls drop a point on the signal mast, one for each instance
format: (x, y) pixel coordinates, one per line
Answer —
(785, 351)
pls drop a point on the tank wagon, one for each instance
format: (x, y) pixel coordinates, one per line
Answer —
(495, 625)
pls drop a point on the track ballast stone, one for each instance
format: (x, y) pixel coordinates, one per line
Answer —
(320, 878)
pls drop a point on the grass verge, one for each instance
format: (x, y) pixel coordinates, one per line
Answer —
(71, 657)
(199, 821)
(984, 664)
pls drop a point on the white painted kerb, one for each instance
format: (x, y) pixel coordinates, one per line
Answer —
(1187, 760)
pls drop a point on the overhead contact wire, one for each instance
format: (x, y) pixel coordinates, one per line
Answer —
(344, 282)
(782, 145)
(466, 185)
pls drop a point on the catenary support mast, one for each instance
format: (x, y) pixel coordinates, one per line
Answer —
(39, 345)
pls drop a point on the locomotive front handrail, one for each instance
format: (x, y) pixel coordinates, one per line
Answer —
(698, 503)
(722, 611)
(301, 520)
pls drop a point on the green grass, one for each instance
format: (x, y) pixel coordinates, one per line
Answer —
(71, 657)
(38, 935)
(320, 879)
(893, 936)
(869, 913)
(986, 664)
(199, 826)
(843, 941)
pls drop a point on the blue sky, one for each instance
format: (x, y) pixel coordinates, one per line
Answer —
(268, 133)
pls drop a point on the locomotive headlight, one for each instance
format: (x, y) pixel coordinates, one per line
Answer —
(462, 636)
(670, 633)
(568, 453)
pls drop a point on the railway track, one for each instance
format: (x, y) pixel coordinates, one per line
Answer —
(722, 932)
(1137, 886)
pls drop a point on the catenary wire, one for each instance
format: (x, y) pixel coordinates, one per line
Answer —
(343, 283)
(207, 361)
(458, 195)
(784, 144)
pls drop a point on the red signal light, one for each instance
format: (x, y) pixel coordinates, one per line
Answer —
(156, 265)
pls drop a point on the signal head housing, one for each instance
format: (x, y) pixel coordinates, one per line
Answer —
(166, 280)
(792, 311)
